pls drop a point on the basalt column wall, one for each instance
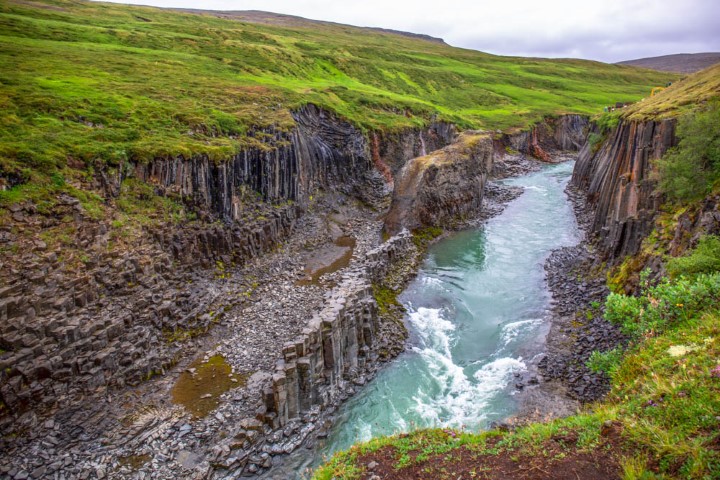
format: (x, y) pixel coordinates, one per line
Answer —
(618, 181)
(323, 151)
(337, 347)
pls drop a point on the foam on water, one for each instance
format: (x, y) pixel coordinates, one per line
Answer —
(433, 329)
(462, 396)
(513, 330)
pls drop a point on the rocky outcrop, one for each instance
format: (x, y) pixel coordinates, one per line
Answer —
(617, 178)
(338, 351)
(444, 187)
(339, 345)
(323, 151)
(571, 132)
(564, 133)
(67, 331)
(390, 151)
(114, 317)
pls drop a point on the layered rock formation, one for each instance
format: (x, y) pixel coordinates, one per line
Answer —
(618, 181)
(444, 187)
(339, 345)
(71, 331)
(565, 133)
(390, 151)
(323, 151)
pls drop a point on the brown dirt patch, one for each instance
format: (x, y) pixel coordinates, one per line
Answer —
(555, 459)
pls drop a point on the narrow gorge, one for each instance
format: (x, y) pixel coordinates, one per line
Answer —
(242, 244)
(339, 336)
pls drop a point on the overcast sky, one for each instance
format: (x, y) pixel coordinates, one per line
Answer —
(606, 30)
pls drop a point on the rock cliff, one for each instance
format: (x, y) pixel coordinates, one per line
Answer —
(391, 150)
(70, 330)
(323, 151)
(617, 178)
(564, 133)
(444, 187)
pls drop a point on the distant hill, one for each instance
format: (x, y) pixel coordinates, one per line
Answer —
(279, 19)
(678, 63)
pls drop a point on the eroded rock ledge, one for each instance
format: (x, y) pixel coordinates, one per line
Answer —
(443, 187)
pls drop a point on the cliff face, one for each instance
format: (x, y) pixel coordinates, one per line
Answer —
(68, 331)
(443, 187)
(391, 151)
(323, 151)
(566, 133)
(619, 186)
(338, 346)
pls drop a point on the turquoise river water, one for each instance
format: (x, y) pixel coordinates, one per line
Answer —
(477, 314)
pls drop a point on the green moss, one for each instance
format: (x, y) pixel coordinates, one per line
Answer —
(386, 298)
(422, 237)
(178, 335)
(624, 276)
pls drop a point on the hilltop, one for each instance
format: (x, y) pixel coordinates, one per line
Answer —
(679, 97)
(279, 19)
(678, 63)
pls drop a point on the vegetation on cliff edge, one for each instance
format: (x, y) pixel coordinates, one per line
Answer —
(691, 170)
(89, 84)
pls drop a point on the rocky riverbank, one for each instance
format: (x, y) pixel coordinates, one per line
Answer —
(576, 279)
(259, 339)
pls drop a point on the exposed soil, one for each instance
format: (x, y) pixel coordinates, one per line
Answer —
(556, 459)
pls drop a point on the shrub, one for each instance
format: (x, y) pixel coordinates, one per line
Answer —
(691, 170)
(595, 141)
(704, 258)
(608, 121)
(607, 362)
(663, 306)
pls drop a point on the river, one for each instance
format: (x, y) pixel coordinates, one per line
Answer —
(477, 315)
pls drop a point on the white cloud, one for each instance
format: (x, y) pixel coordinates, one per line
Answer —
(609, 30)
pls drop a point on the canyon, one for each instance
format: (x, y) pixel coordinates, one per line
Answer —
(232, 243)
(129, 318)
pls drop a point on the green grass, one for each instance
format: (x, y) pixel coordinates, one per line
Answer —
(92, 83)
(681, 97)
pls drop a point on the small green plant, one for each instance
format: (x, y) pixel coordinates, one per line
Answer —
(704, 258)
(423, 236)
(662, 306)
(595, 141)
(608, 121)
(605, 362)
(386, 299)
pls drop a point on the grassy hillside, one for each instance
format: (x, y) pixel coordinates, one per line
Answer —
(91, 82)
(681, 97)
